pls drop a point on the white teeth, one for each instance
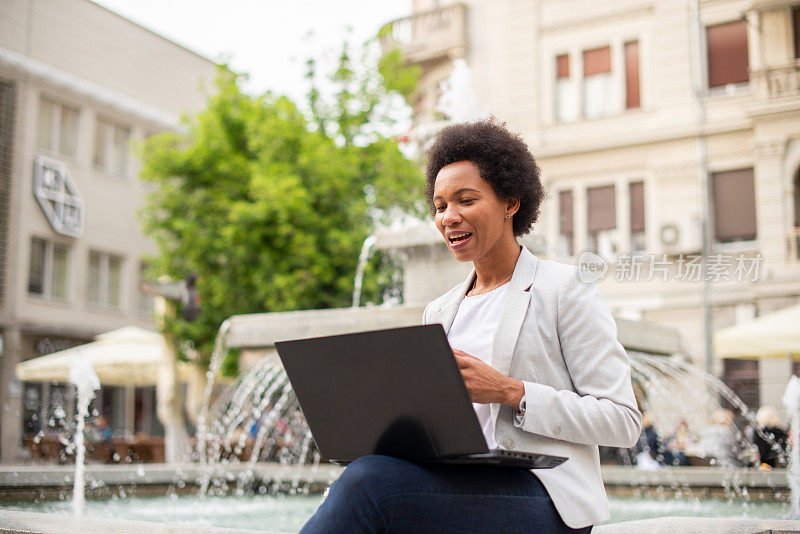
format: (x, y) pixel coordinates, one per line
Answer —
(459, 236)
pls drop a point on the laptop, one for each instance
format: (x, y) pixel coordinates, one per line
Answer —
(396, 392)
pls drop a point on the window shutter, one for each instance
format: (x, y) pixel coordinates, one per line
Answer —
(734, 205)
(796, 27)
(596, 61)
(637, 206)
(602, 215)
(565, 212)
(727, 53)
(632, 74)
(562, 66)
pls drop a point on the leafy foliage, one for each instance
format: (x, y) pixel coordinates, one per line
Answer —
(269, 208)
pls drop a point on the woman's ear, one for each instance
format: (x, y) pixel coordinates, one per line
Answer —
(512, 205)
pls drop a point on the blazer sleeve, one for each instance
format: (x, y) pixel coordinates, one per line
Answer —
(602, 410)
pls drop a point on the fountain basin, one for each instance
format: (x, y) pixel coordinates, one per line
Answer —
(275, 514)
(697, 482)
(28, 482)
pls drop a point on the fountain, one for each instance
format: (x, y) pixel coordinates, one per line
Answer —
(82, 375)
(362, 262)
(791, 400)
(458, 101)
(262, 398)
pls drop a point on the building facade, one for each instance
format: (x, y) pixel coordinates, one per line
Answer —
(647, 118)
(79, 87)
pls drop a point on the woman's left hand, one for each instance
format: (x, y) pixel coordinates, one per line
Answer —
(486, 384)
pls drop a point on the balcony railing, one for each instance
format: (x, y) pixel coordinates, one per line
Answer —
(779, 81)
(428, 35)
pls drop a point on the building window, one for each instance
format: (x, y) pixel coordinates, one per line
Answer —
(734, 205)
(111, 147)
(636, 191)
(727, 53)
(796, 27)
(598, 94)
(48, 269)
(57, 128)
(146, 302)
(632, 74)
(566, 102)
(742, 377)
(566, 234)
(602, 221)
(104, 280)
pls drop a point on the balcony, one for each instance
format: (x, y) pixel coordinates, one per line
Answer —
(778, 81)
(429, 35)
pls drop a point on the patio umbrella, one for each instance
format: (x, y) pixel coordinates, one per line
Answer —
(772, 335)
(128, 356)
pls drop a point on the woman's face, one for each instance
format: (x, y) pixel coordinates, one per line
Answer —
(469, 215)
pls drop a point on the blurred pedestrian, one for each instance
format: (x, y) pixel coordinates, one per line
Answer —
(718, 440)
(675, 448)
(648, 438)
(772, 451)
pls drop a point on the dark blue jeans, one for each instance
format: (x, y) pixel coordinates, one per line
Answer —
(384, 494)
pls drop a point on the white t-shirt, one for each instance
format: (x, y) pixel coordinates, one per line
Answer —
(472, 331)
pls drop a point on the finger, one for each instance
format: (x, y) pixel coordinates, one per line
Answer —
(464, 354)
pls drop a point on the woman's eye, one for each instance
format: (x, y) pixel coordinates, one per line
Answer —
(439, 209)
(468, 201)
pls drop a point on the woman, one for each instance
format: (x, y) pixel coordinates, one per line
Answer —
(538, 352)
(771, 453)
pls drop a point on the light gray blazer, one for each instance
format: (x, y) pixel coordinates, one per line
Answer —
(556, 334)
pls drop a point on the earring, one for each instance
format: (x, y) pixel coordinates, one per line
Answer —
(508, 216)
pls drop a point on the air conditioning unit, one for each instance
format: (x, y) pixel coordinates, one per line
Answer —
(680, 236)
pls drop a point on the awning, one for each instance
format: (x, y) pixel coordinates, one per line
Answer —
(773, 335)
(128, 356)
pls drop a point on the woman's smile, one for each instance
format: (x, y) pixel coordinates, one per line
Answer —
(458, 239)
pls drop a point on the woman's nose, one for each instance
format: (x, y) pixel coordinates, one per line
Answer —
(451, 216)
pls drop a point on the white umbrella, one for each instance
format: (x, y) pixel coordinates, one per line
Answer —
(772, 335)
(128, 356)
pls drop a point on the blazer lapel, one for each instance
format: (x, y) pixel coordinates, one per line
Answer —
(513, 315)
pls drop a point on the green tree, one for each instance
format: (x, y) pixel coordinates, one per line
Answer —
(270, 208)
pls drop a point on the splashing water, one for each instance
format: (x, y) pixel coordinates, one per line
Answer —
(220, 348)
(82, 375)
(791, 400)
(257, 419)
(458, 101)
(678, 390)
(679, 393)
(362, 263)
